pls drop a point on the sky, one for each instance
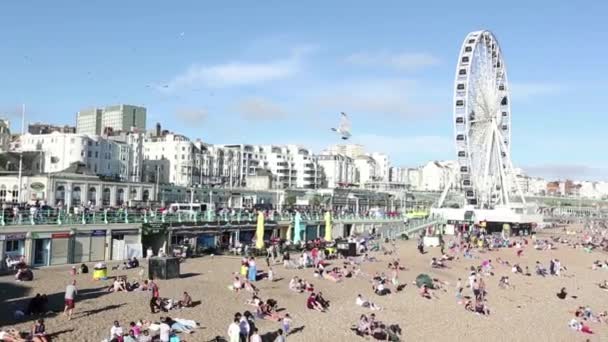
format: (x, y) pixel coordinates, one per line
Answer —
(281, 72)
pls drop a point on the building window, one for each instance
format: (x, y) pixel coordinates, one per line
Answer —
(96, 154)
(89, 154)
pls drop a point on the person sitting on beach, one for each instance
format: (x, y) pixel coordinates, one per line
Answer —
(24, 274)
(503, 283)
(380, 289)
(319, 298)
(84, 269)
(237, 285)
(186, 301)
(134, 329)
(118, 285)
(363, 327)
(254, 301)
(516, 269)
(294, 285)
(424, 292)
(39, 331)
(265, 311)
(603, 285)
(360, 301)
(116, 332)
(540, 270)
(481, 307)
(312, 304)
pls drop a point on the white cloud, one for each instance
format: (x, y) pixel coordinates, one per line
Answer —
(259, 109)
(568, 171)
(408, 149)
(192, 116)
(238, 73)
(525, 91)
(391, 97)
(405, 61)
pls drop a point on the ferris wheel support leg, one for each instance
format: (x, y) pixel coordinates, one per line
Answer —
(445, 191)
(511, 171)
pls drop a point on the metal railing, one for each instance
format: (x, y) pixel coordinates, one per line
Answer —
(410, 227)
(126, 216)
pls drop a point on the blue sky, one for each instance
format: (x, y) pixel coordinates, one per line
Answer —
(282, 71)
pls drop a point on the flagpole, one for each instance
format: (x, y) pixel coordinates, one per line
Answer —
(20, 178)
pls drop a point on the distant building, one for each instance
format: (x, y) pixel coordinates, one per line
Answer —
(122, 118)
(339, 170)
(349, 150)
(45, 128)
(5, 135)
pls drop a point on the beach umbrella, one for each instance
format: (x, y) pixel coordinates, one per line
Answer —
(288, 234)
(259, 233)
(424, 279)
(297, 226)
(328, 226)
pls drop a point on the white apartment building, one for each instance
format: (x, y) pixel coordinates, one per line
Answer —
(367, 170)
(383, 165)
(252, 158)
(135, 141)
(349, 150)
(339, 170)
(219, 165)
(280, 163)
(100, 155)
(95, 121)
(171, 159)
(414, 178)
(308, 175)
(435, 176)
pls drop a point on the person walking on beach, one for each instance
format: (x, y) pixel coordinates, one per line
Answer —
(234, 331)
(70, 295)
(155, 296)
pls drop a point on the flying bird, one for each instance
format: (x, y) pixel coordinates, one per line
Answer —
(343, 127)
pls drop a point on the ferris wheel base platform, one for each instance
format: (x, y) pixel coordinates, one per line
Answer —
(515, 215)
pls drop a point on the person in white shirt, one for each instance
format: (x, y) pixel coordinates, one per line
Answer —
(165, 332)
(360, 301)
(116, 330)
(234, 331)
(255, 337)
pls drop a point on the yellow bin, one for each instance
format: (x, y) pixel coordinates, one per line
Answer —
(100, 273)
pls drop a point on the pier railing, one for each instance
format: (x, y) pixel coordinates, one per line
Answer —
(126, 216)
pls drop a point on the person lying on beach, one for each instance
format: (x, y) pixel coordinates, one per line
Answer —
(254, 301)
(364, 303)
(312, 304)
(603, 285)
(425, 292)
(540, 270)
(334, 275)
(562, 294)
(436, 263)
(181, 325)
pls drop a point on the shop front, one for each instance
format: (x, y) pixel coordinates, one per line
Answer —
(14, 245)
(41, 249)
(126, 244)
(60, 247)
(89, 246)
(154, 235)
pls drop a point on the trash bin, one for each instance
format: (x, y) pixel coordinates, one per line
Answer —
(100, 272)
(347, 248)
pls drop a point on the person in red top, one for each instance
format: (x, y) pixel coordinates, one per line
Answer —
(312, 304)
(154, 300)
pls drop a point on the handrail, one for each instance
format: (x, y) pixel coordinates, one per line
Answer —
(125, 216)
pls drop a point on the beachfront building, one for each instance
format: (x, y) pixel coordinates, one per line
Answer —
(308, 174)
(338, 170)
(171, 159)
(252, 158)
(383, 166)
(97, 121)
(349, 150)
(45, 128)
(104, 157)
(435, 176)
(366, 170)
(218, 165)
(280, 163)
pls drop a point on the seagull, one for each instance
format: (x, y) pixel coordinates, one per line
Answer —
(344, 127)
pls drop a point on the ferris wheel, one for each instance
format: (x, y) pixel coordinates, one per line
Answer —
(482, 124)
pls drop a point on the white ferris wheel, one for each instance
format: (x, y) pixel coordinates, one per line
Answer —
(482, 124)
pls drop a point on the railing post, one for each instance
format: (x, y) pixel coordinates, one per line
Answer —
(105, 216)
(84, 220)
(2, 218)
(126, 216)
